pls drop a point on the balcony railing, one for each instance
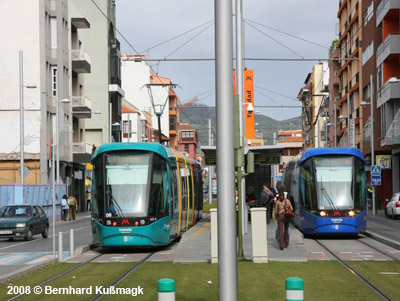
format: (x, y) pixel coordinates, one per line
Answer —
(80, 61)
(82, 152)
(383, 8)
(393, 134)
(391, 90)
(389, 46)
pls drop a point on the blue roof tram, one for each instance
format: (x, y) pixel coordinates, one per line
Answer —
(143, 194)
(329, 187)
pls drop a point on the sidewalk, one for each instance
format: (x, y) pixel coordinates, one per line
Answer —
(195, 245)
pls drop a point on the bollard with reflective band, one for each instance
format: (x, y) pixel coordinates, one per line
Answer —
(166, 289)
(294, 289)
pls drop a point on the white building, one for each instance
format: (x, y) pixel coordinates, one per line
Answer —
(48, 33)
(137, 74)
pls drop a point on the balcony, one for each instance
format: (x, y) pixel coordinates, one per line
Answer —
(80, 61)
(383, 8)
(80, 23)
(82, 152)
(81, 107)
(391, 90)
(393, 134)
(391, 45)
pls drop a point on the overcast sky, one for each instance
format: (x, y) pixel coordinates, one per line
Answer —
(147, 23)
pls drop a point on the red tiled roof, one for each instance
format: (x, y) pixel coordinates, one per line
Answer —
(291, 139)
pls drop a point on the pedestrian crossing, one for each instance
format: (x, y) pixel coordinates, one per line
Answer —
(28, 258)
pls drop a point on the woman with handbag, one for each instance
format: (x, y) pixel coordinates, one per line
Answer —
(283, 215)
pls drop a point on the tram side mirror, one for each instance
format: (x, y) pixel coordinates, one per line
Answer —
(250, 162)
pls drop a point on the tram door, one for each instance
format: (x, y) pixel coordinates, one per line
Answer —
(184, 199)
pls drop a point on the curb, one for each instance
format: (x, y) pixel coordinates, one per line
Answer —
(25, 270)
(387, 241)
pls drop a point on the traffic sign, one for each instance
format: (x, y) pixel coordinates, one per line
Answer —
(375, 170)
(375, 180)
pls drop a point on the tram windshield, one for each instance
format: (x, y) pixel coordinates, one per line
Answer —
(126, 184)
(334, 182)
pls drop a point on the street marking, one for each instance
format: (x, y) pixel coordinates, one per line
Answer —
(8, 259)
(317, 252)
(389, 273)
(345, 252)
(38, 239)
(202, 229)
(40, 259)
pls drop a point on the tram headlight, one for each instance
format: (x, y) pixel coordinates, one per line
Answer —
(142, 222)
(323, 213)
(352, 213)
(108, 222)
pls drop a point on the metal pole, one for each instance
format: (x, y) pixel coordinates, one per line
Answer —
(21, 108)
(159, 128)
(227, 265)
(60, 246)
(110, 122)
(318, 133)
(348, 120)
(71, 243)
(371, 79)
(335, 130)
(129, 127)
(54, 202)
(57, 142)
(239, 89)
(210, 167)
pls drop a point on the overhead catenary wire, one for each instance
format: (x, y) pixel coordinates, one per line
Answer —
(288, 34)
(178, 36)
(276, 41)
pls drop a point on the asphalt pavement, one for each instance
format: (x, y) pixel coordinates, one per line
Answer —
(18, 255)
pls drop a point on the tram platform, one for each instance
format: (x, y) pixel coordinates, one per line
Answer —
(195, 245)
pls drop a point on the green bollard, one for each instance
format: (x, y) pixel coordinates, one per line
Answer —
(294, 289)
(166, 289)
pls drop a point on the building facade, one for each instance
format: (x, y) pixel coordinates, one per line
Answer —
(54, 60)
(189, 141)
(104, 82)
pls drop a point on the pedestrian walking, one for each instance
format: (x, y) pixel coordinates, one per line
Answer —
(283, 221)
(88, 183)
(265, 200)
(64, 207)
(73, 205)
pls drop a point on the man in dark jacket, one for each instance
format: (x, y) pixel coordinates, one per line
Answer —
(265, 200)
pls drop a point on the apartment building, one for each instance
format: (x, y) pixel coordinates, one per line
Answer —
(314, 100)
(54, 60)
(349, 73)
(189, 141)
(143, 88)
(103, 84)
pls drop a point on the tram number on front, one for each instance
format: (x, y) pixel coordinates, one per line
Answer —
(108, 214)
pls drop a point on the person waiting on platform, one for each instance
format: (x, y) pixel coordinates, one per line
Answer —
(283, 221)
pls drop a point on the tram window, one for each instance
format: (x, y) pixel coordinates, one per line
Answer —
(175, 196)
(334, 182)
(308, 196)
(360, 196)
(159, 189)
(127, 183)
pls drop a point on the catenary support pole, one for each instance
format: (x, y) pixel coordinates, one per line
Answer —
(348, 121)
(21, 108)
(239, 88)
(54, 201)
(334, 116)
(227, 266)
(210, 168)
(371, 80)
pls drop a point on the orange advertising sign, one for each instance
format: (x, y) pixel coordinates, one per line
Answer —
(249, 98)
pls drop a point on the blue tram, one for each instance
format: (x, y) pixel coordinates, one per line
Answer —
(329, 187)
(143, 194)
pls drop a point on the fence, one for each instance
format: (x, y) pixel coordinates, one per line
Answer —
(33, 194)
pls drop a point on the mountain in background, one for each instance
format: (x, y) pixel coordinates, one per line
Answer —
(198, 116)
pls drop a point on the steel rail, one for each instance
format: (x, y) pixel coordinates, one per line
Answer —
(355, 273)
(126, 274)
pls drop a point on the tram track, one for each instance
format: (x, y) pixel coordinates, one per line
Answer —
(126, 274)
(379, 250)
(354, 272)
(60, 275)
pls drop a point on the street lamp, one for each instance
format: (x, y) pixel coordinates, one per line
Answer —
(21, 98)
(64, 100)
(158, 103)
(371, 103)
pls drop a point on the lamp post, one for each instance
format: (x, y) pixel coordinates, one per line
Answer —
(65, 100)
(21, 99)
(371, 103)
